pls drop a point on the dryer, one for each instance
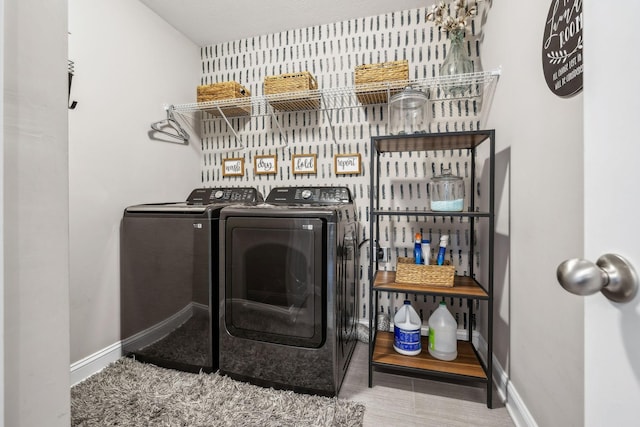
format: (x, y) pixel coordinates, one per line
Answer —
(288, 289)
(169, 279)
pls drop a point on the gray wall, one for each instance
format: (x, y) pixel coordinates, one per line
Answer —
(539, 138)
(128, 64)
(36, 207)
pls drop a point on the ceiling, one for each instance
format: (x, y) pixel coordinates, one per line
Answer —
(208, 22)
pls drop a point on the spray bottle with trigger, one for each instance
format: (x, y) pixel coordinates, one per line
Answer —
(417, 249)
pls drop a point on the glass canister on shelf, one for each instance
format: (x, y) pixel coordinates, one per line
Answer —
(408, 112)
(446, 192)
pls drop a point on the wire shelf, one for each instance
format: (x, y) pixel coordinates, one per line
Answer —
(461, 87)
(456, 103)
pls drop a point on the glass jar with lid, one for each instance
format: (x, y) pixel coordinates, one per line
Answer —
(446, 192)
(408, 112)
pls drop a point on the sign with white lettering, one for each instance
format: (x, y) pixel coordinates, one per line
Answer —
(233, 167)
(303, 163)
(264, 165)
(562, 47)
(345, 164)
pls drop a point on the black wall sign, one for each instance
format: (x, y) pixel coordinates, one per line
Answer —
(562, 47)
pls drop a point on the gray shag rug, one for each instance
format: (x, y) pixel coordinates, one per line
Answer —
(131, 393)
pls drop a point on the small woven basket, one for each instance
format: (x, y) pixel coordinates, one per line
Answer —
(407, 271)
(370, 80)
(226, 91)
(291, 92)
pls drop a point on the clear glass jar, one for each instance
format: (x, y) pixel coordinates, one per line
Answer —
(447, 192)
(408, 112)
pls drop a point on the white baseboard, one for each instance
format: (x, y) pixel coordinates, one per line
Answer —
(518, 410)
(508, 393)
(84, 368)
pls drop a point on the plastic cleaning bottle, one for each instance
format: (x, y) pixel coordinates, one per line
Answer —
(426, 251)
(417, 249)
(443, 343)
(406, 331)
(442, 250)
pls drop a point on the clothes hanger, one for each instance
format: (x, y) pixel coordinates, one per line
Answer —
(170, 122)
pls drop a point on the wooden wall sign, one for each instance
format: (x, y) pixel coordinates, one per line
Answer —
(562, 47)
(346, 164)
(304, 163)
(233, 167)
(264, 165)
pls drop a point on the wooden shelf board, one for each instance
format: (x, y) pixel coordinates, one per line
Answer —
(462, 286)
(433, 141)
(466, 364)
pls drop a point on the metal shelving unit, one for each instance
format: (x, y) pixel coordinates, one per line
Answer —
(469, 366)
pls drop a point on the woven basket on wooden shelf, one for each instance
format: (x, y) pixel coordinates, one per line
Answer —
(407, 271)
(292, 91)
(374, 82)
(226, 91)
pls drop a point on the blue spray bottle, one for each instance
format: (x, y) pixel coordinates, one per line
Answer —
(417, 249)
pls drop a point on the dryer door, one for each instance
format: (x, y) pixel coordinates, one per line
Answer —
(274, 275)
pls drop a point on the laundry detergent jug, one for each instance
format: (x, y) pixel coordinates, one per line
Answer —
(406, 331)
(443, 328)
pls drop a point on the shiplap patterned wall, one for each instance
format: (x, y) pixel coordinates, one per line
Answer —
(331, 52)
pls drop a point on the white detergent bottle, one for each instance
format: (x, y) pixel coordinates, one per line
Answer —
(406, 331)
(443, 343)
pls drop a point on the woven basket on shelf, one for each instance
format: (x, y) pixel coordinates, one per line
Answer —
(226, 91)
(370, 80)
(293, 90)
(407, 271)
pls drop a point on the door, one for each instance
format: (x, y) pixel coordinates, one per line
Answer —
(612, 177)
(274, 275)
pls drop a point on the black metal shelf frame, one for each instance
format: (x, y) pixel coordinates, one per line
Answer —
(469, 140)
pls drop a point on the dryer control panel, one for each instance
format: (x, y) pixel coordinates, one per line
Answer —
(309, 195)
(207, 196)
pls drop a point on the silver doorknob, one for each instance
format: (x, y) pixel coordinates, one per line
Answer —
(611, 274)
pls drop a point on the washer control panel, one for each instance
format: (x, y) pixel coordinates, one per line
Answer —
(207, 196)
(309, 195)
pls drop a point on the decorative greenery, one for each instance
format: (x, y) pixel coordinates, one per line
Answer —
(441, 16)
